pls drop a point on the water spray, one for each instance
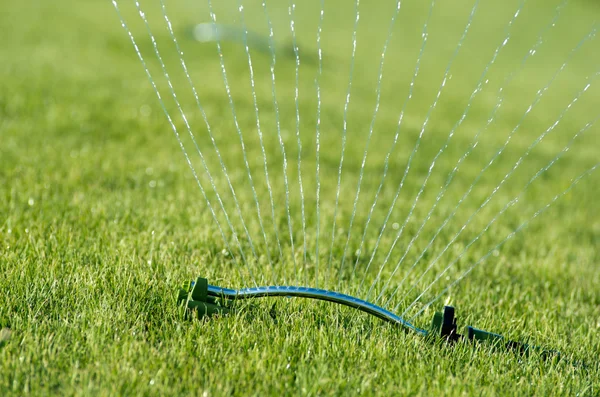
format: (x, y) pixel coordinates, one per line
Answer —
(206, 300)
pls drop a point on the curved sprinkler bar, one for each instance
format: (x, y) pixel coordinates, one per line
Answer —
(313, 293)
(207, 300)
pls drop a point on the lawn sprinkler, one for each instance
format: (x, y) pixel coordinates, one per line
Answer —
(209, 32)
(207, 300)
(212, 32)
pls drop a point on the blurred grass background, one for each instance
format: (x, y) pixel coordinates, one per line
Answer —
(100, 218)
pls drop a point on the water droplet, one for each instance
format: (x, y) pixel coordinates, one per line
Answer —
(31, 202)
(395, 226)
(152, 184)
(151, 382)
(145, 110)
(149, 171)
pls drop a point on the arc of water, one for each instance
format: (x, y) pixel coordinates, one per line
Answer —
(386, 163)
(370, 134)
(186, 122)
(258, 128)
(318, 137)
(344, 131)
(206, 122)
(509, 204)
(297, 101)
(539, 94)
(182, 146)
(440, 195)
(278, 126)
(213, 18)
(508, 237)
(423, 128)
(491, 118)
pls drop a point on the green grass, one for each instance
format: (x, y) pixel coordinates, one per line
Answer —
(101, 220)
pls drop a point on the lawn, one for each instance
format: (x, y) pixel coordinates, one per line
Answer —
(101, 219)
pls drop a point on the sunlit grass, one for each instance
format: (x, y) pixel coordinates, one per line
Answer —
(101, 220)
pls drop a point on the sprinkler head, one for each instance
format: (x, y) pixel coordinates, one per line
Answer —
(195, 297)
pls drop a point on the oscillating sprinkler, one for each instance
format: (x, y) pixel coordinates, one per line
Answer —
(206, 300)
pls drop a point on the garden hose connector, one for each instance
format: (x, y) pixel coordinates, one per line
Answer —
(444, 325)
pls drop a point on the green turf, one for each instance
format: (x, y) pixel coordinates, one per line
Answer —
(101, 220)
